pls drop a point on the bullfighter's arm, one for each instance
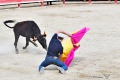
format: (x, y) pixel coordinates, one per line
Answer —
(64, 33)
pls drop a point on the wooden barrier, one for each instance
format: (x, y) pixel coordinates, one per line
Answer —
(5, 2)
(90, 1)
(116, 1)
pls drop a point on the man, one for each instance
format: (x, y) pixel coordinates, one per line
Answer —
(54, 52)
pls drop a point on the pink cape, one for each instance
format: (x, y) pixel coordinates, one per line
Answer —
(75, 38)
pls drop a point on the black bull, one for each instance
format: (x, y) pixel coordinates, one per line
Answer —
(28, 29)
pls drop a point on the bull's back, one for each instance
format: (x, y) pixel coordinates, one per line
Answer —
(26, 28)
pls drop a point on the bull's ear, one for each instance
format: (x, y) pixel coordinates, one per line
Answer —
(44, 34)
(34, 39)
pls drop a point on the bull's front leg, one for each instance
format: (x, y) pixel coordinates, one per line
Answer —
(34, 43)
(27, 42)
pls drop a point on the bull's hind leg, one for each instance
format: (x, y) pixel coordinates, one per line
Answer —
(27, 42)
(15, 43)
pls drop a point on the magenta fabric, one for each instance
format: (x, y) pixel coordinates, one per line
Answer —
(71, 55)
(76, 37)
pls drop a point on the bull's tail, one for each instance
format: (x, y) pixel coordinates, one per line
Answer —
(9, 21)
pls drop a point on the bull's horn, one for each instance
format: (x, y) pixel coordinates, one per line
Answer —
(44, 34)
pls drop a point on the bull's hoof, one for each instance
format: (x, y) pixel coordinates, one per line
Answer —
(17, 52)
(24, 47)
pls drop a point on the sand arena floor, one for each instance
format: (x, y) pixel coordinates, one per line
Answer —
(98, 58)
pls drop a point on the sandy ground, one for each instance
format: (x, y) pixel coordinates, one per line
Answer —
(98, 58)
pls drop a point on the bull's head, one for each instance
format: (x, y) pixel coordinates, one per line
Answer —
(42, 40)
